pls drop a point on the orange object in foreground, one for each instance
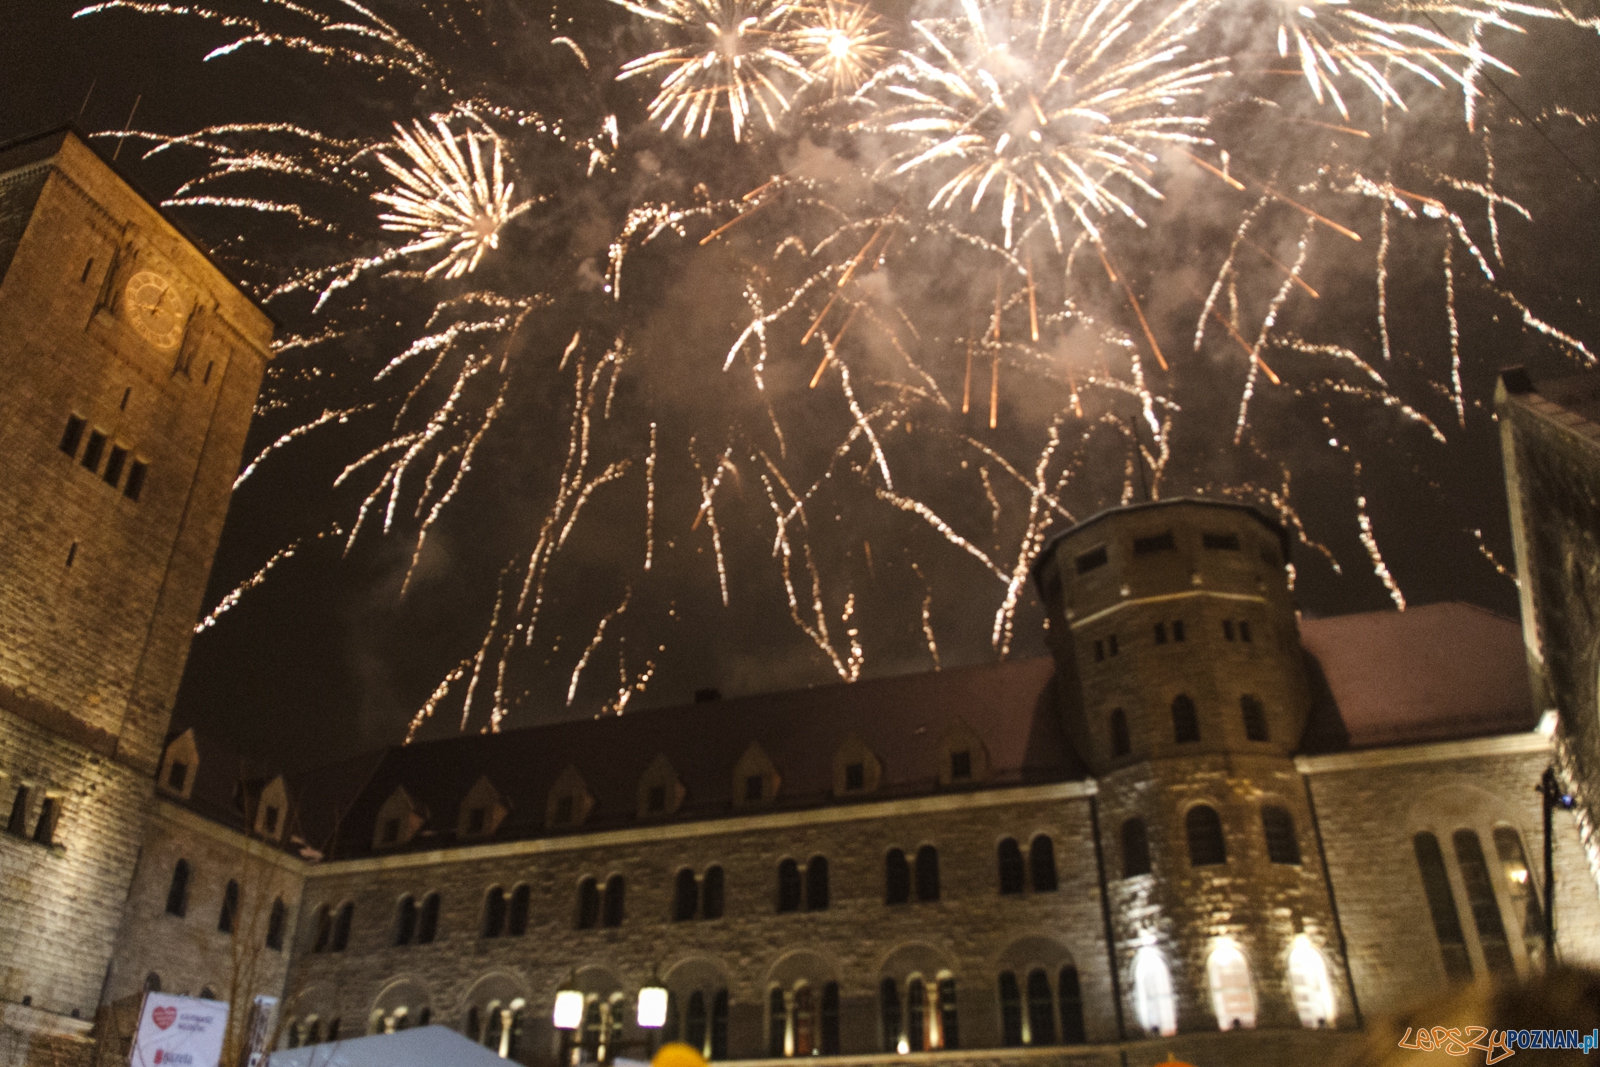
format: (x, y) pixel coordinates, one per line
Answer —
(677, 1054)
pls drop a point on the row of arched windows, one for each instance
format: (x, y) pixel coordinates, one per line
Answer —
(597, 909)
(1233, 996)
(1207, 845)
(333, 928)
(228, 913)
(1039, 870)
(416, 925)
(1033, 1022)
(501, 917)
(1494, 941)
(1186, 723)
(697, 897)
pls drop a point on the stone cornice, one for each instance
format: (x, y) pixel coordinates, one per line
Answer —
(1437, 752)
(173, 812)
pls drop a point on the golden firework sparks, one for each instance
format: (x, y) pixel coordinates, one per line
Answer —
(842, 43)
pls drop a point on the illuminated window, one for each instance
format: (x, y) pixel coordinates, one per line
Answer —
(1152, 993)
(1308, 980)
(1232, 998)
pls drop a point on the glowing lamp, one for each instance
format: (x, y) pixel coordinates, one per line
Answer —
(652, 1007)
(569, 1010)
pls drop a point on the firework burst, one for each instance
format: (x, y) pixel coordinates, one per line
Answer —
(449, 200)
(733, 54)
(843, 42)
(1056, 110)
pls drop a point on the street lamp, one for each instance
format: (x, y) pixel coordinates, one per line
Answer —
(653, 1007)
(569, 1009)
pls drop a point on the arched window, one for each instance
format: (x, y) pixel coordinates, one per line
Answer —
(1308, 980)
(405, 921)
(1203, 827)
(805, 1021)
(1481, 899)
(685, 896)
(494, 1028)
(588, 904)
(475, 1028)
(1011, 874)
(777, 1024)
(889, 1014)
(949, 1019)
(817, 884)
(178, 891)
(1185, 719)
(1135, 848)
(829, 1029)
(927, 873)
(1233, 1000)
(333, 1029)
(324, 930)
(611, 915)
(788, 886)
(341, 927)
(517, 920)
(694, 1021)
(711, 893)
(896, 878)
(1525, 910)
(1255, 718)
(230, 908)
(494, 912)
(1070, 993)
(313, 1026)
(428, 920)
(1442, 907)
(1283, 844)
(1121, 743)
(916, 1015)
(1010, 1011)
(1042, 864)
(277, 919)
(719, 1023)
(1041, 1009)
(1152, 993)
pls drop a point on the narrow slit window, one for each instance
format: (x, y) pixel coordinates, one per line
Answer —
(72, 553)
(44, 831)
(126, 393)
(114, 465)
(1177, 629)
(72, 436)
(1244, 631)
(1161, 542)
(1099, 651)
(1121, 743)
(1485, 907)
(1255, 718)
(1227, 629)
(1091, 560)
(1161, 633)
(206, 380)
(1220, 542)
(1111, 644)
(1524, 897)
(1011, 871)
(94, 450)
(135, 483)
(19, 811)
(711, 893)
(1442, 907)
(87, 267)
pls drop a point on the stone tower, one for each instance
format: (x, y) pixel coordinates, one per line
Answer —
(1184, 691)
(129, 366)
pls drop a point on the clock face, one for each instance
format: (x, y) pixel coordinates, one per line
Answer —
(153, 306)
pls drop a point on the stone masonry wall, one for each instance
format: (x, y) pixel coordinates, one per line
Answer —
(857, 941)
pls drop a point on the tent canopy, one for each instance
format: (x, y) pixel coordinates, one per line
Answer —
(423, 1046)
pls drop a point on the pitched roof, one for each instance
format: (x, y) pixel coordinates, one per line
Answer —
(1009, 706)
(1433, 673)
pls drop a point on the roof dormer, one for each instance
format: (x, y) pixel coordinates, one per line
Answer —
(661, 791)
(570, 801)
(963, 758)
(755, 778)
(482, 810)
(856, 768)
(272, 810)
(179, 764)
(398, 820)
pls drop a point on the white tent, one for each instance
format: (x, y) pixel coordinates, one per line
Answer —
(423, 1046)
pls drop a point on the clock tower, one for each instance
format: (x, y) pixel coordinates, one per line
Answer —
(129, 366)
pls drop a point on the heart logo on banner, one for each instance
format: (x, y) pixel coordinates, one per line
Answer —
(164, 1017)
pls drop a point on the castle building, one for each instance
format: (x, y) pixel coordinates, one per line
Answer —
(1203, 826)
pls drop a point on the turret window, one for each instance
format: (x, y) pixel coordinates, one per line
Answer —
(1203, 828)
(1185, 719)
(1161, 542)
(1135, 848)
(1121, 744)
(1091, 560)
(1283, 845)
(1255, 718)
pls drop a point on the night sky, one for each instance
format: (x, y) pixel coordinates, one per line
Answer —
(335, 652)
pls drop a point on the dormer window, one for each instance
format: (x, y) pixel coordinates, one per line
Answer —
(481, 810)
(177, 775)
(179, 765)
(391, 831)
(475, 820)
(855, 777)
(270, 819)
(961, 765)
(569, 802)
(856, 768)
(753, 786)
(660, 791)
(656, 800)
(962, 756)
(563, 813)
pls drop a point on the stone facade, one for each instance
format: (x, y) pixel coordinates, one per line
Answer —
(131, 366)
